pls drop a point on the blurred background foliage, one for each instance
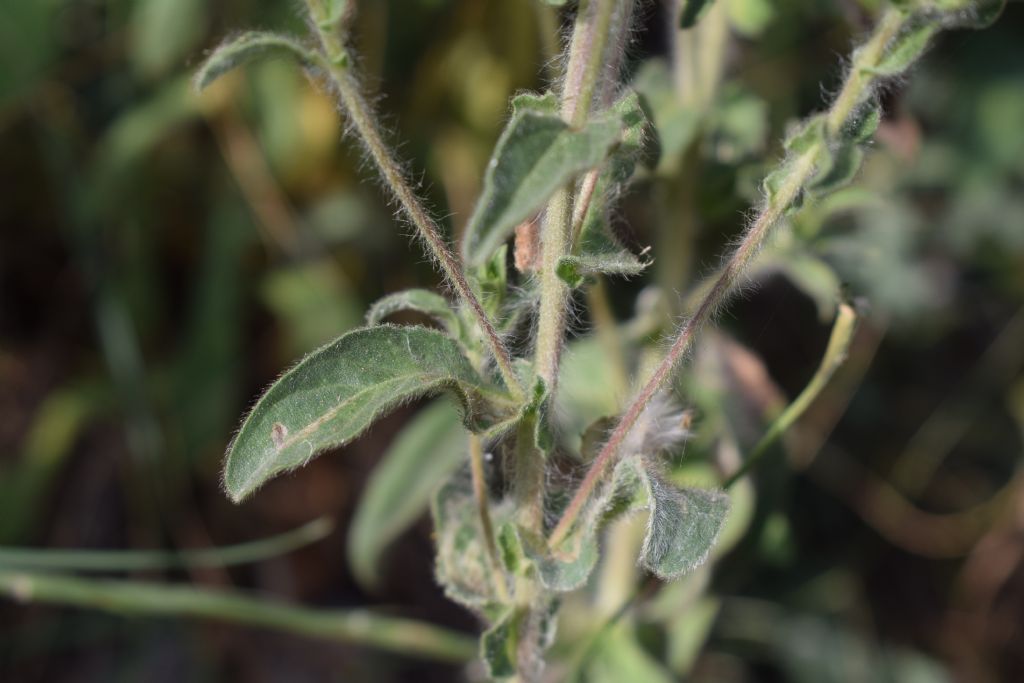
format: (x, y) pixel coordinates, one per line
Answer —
(165, 255)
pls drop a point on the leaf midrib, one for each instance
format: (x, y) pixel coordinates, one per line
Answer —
(301, 435)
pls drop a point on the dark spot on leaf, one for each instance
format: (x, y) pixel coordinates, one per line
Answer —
(277, 434)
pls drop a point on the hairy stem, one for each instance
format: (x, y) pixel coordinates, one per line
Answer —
(336, 65)
(528, 477)
(799, 171)
(857, 86)
(588, 57)
(476, 464)
(138, 598)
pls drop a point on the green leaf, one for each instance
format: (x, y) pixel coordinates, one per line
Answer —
(598, 249)
(860, 128)
(536, 154)
(682, 528)
(566, 568)
(245, 48)
(423, 455)
(462, 564)
(574, 270)
(693, 10)
(499, 643)
(419, 300)
(338, 391)
(844, 164)
(905, 49)
(531, 101)
(974, 14)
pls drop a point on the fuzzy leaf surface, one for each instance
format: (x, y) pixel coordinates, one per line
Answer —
(683, 527)
(537, 153)
(335, 393)
(247, 47)
(419, 300)
(598, 250)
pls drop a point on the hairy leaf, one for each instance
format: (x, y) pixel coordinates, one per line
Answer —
(245, 48)
(462, 565)
(844, 163)
(682, 528)
(537, 153)
(567, 568)
(423, 455)
(338, 391)
(574, 270)
(419, 300)
(499, 643)
(597, 249)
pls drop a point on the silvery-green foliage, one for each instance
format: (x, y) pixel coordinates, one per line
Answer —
(498, 554)
(537, 153)
(331, 396)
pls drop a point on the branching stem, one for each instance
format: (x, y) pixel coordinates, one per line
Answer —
(588, 55)
(801, 169)
(337, 66)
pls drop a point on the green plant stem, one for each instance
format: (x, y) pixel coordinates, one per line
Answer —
(528, 476)
(140, 560)
(857, 87)
(336, 64)
(588, 56)
(137, 598)
(476, 464)
(801, 169)
(835, 355)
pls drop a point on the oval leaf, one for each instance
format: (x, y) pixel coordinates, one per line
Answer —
(682, 528)
(537, 153)
(338, 391)
(245, 48)
(423, 455)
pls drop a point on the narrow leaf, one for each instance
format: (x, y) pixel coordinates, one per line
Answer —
(419, 300)
(598, 249)
(574, 270)
(536, 154)
(245, 48)
(338, 391)
(423, 455)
